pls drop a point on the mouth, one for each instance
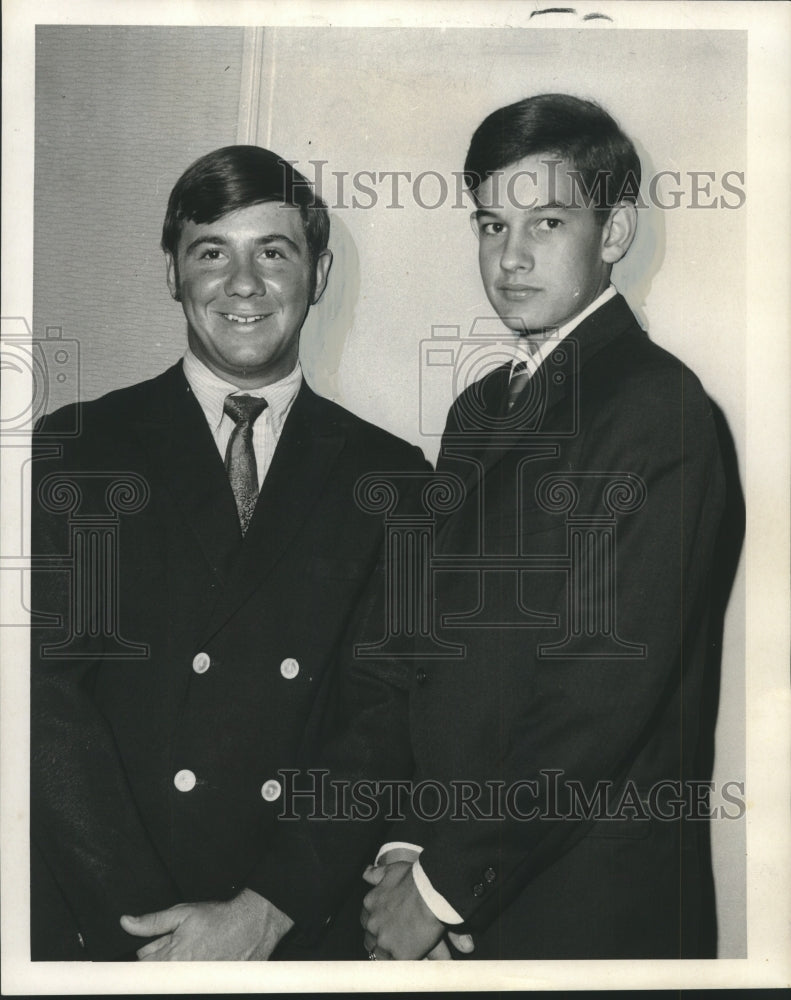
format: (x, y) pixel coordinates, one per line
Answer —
(243, 320)
(518, 292)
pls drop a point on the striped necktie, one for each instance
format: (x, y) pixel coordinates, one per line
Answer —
(520, 376)
(240, 456)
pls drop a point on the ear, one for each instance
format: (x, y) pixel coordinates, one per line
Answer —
(172, 276)
(618, 232)
(474, 224)
(323, 265)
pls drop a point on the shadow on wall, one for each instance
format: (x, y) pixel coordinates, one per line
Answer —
(330, 320)
(634, 275)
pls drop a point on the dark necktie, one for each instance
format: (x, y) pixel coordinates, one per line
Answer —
(239, 455)
(520, 376)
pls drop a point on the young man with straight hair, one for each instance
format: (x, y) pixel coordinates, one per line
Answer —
(215, 556)
(576, 581)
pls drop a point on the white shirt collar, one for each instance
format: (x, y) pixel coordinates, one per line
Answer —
(210, 391)
(533, 350)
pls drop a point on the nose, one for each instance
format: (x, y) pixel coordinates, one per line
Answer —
(517, 255)
(244, 279)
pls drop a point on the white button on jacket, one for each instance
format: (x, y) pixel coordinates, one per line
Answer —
(289, 668)
(201, 663)
(185, 780)
(271, 790)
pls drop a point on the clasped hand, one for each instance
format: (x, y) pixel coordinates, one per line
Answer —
(396, 920)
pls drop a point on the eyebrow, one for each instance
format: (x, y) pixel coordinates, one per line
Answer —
(549, 206)
(554, 206)
(220, 241)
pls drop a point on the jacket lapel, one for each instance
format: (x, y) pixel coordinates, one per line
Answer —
(560, 379)
(477, 419)
(303, 459)
(184, 457)
(522, 429)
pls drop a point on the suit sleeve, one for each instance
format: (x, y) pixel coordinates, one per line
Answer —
(93, 859)
(551, 721)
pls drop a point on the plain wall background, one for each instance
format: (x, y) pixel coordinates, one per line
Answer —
(121, 111)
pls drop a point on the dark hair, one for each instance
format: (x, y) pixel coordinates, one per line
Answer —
(568, 127)
(237, 177)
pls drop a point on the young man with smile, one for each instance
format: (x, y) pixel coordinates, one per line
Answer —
(241, 559)
(246, 282)
(593, 470)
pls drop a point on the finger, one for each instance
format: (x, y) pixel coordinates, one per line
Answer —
(462, 942)
(155, 950)
(153, 924)
(374, 874)
(382, 955)
(157, 956)
(439, 952)
(369, 942)
(365, 919)
(369, 902)
(152, 946)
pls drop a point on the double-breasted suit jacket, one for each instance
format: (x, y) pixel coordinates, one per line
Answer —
(160, 722)
(591, 510)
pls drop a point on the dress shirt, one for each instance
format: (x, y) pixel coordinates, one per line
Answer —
(533, 350)
(210, 391)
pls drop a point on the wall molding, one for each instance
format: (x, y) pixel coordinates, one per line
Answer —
(256, 90)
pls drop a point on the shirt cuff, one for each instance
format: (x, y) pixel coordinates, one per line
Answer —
(395, 844)
(437, 903)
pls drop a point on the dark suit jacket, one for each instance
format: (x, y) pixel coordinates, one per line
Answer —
(574, 578)
(111, 728)
(614, 466)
